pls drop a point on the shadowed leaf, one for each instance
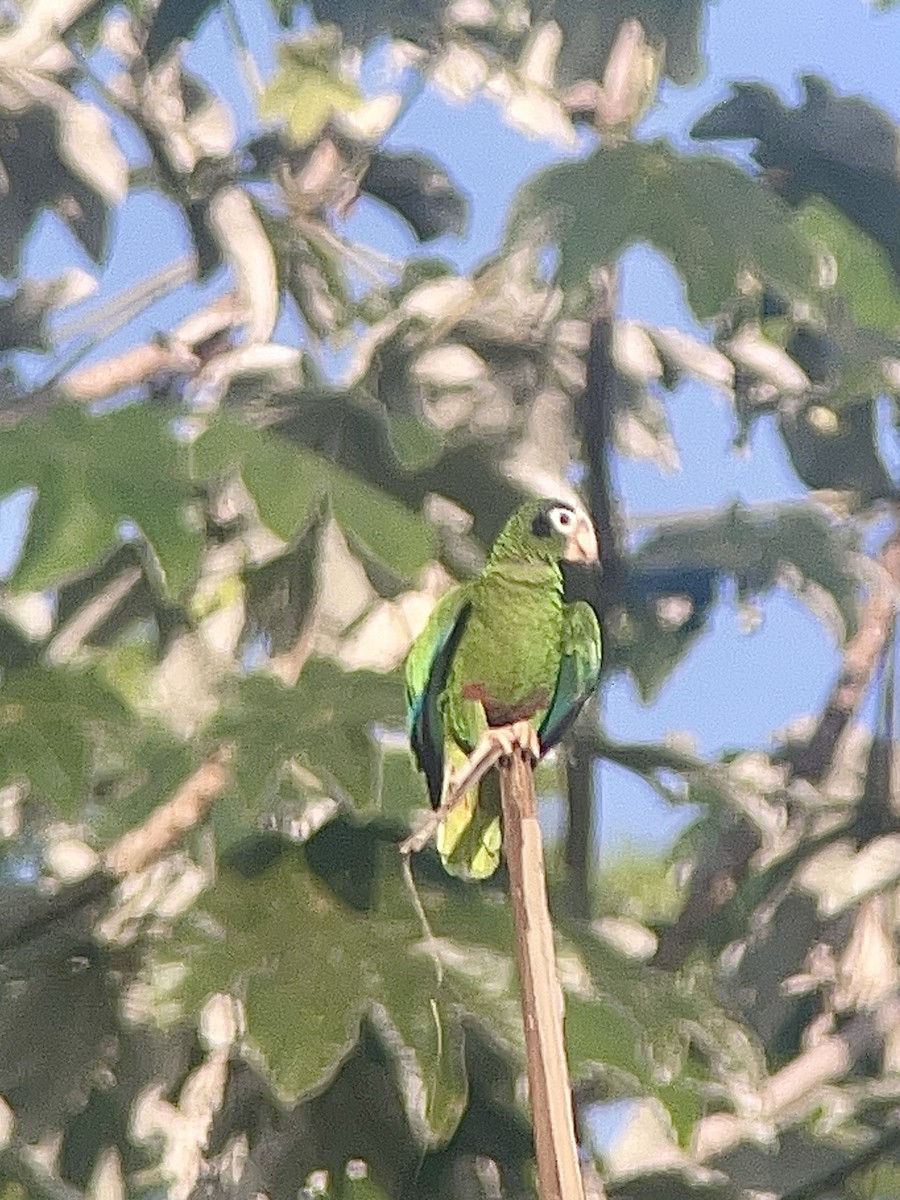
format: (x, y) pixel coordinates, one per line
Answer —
(706, 214)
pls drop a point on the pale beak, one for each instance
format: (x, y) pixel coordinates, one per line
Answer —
(581, 546)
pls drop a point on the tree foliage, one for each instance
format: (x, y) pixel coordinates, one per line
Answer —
(227, 983)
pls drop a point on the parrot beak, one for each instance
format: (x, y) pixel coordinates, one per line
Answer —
(581, 546)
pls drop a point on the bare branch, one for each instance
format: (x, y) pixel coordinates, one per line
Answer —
(579, 847)
(167, 824)
(66, 644)
(789, 1094)
(127, 370)
(176, 353)
(556, 1151)
(812, 759)
(645, 757)
(596, 411)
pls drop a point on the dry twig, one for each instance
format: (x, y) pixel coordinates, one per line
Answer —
(177, 353)
(791, 1093)
(813, 758)
(167, 824)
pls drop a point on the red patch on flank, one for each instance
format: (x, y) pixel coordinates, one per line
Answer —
(498, 713)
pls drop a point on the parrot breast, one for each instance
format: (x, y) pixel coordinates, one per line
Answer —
(507, 662)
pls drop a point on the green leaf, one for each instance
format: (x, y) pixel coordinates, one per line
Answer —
(173, 20)
(324, 722)
(286, 480)
(420, 190)
(92, 473)
(134, 776)
(401, 786)
(48, 727)
(415, 444)
(284, 483)
(794, 544)
(864, 276)
(707, 215)
(309, 967)
(307, 88)
(361, 1189)
(384, 526)
(280, 594)
(601, 1033)
(418, 22)
(685, 1106)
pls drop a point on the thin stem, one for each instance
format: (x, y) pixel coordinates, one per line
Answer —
(580, 829)
(479, 762)
(167, 825)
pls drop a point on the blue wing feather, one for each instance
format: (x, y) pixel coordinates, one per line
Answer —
(427, 667)
(579, 673)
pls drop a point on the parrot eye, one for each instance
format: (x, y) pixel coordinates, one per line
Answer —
(558, 517)
(562, 519)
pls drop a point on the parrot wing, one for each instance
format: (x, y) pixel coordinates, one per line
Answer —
(427, 667)
(579, 672)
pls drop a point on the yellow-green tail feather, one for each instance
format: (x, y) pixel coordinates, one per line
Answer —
(470, 836)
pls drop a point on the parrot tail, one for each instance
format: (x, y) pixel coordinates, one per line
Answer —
(469, 837)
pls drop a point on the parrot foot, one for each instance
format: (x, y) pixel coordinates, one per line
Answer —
(521, 735)
(496, 742)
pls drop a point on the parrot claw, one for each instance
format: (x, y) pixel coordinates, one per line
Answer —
(521, 735)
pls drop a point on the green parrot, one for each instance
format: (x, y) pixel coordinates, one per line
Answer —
(504, 659)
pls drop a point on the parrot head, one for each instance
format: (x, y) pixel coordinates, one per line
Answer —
(547, 531)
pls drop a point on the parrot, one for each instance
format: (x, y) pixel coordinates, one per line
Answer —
(502, 659)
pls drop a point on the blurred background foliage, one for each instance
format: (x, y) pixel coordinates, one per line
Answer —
(234, 529)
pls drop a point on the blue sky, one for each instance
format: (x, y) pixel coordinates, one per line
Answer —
(735, 689)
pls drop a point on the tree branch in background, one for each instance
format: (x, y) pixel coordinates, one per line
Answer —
(556, 1151)
(184, 351)
(835, 1180)
(645, 757)
(179, 352)
(596, 412)
(791, 1093)
(578, 850)
(812, 759)
(134, 851)
(166, 825)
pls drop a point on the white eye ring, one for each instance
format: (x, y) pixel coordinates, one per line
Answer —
(562, 519)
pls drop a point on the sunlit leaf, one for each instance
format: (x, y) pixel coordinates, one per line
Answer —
(863, 274)
(91, 474)
(307, 89)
